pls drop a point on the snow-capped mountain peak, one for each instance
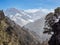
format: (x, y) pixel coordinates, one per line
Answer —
(23, 17)
(19, 16)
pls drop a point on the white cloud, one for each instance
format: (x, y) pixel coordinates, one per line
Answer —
(32, 10)
(46, 10)
(40, 9)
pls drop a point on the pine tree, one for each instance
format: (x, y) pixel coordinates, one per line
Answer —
(50, 20)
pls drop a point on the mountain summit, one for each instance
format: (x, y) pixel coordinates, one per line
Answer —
(19, 16)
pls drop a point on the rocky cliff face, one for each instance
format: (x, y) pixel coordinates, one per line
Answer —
(7, 34)
(13, 34)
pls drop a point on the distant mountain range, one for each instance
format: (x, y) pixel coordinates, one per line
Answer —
(34, 22)
(22, 17)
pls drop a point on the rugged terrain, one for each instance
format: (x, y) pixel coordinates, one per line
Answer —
(13, 34)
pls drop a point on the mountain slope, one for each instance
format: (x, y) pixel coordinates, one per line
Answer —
(37, 27)
(13, 34)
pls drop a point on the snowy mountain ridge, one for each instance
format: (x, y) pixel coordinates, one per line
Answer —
(23, 17)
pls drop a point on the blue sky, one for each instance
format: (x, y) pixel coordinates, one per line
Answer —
(29, 4)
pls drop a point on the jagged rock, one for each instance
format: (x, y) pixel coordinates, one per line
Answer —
(1, 14)
(57, 10)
